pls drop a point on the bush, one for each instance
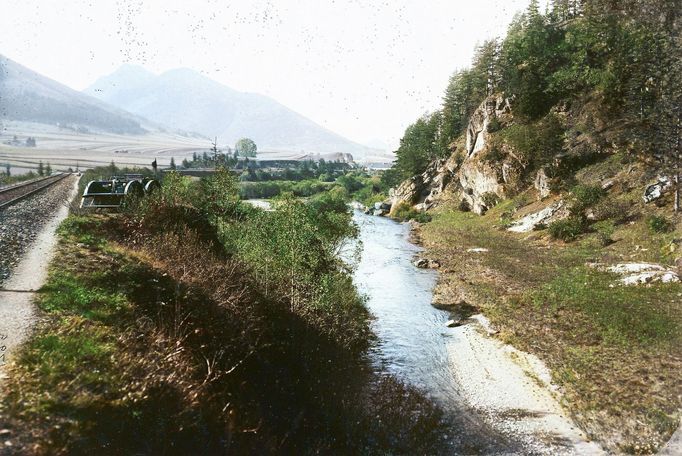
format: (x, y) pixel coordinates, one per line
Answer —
(611, 209)
(464, 206)
(659, 224)
(405, 212)
(605, 230)
(490, 199)
(584, 197)
(567, 229)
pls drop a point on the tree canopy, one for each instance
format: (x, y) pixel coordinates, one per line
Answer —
(245, 147)
(625, 54)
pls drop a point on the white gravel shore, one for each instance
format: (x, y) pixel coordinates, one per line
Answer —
(513, 390)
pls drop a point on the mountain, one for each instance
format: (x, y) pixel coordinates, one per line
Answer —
(30, 97)
(186, 100)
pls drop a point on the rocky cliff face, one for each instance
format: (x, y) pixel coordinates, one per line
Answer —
(472, 175)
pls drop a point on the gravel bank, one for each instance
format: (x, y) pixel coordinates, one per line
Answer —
(513, 390)
(28, 238)
(21, 223)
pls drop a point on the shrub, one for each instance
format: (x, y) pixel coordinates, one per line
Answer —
(585, 196)
(660, 224)
(611, 209)
(464, 206)
(490, 199)
(567, 229)
(405, 212)
(605, 230)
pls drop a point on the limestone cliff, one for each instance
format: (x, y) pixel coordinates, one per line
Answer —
(470, 173)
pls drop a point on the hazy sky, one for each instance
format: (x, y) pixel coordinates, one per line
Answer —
(363, 68)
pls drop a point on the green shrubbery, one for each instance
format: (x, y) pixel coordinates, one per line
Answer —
(567, 229)
(659, 224)
(404, 212)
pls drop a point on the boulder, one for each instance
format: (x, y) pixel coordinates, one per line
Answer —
(454, 323)
(421, 263)
(551, 213)
(640, 273)
(541, 184)
(656, 190)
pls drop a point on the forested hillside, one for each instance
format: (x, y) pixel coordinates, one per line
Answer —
(614, 65)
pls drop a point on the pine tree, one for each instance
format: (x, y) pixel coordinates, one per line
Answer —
(41, 169)
(172, 164)
(48, 170)
(8, 168)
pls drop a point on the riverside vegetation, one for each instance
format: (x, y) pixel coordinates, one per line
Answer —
(575, 112)
(194, 323)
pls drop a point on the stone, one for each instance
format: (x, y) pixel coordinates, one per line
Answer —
(541, 184)
(421, 263)
(434, 264)
(639, 273)
(655, 191)
(453, 323)
(551, 213)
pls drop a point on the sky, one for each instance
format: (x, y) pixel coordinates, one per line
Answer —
(365, 69)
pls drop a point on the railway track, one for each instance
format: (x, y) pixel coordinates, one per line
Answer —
(15, 193)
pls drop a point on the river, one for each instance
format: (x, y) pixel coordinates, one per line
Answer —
(412, 336)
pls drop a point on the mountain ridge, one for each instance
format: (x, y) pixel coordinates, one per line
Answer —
(26, 95)
(185, 99)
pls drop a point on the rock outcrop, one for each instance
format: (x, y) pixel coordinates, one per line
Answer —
(470, 174)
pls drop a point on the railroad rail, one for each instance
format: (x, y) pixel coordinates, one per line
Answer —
(15, 193)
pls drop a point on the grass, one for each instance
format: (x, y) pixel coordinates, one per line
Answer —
(615, 350)
(154, 343)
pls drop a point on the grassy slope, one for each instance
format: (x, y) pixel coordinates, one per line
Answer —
(616, 351)
(155, 344)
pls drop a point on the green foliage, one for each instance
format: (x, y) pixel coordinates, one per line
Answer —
(611, 209)
(584, 197)
(490, 199)
(567, 229)
(622, 55)
(293, 250)
(605, 230)
(245, 147)
(659, 224)
(419, 146)
(536, 143)
(405, 212)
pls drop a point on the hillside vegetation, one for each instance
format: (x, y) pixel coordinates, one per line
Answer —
(613, 66)
(193, 323)
(534, 173)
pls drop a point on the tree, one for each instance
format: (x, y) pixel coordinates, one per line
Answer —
(420, 145)
(185, 163)
(8, 168)
(245, 147)
(172, 164)
(48, 170)
(41, 169)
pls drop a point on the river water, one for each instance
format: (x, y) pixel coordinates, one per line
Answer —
(412, 335)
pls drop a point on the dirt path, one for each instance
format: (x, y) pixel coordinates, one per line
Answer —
(17, 311)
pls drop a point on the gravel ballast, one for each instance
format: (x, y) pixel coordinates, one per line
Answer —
(21, 223)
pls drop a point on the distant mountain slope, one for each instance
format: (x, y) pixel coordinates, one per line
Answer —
(30, 97)
(184, 99)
